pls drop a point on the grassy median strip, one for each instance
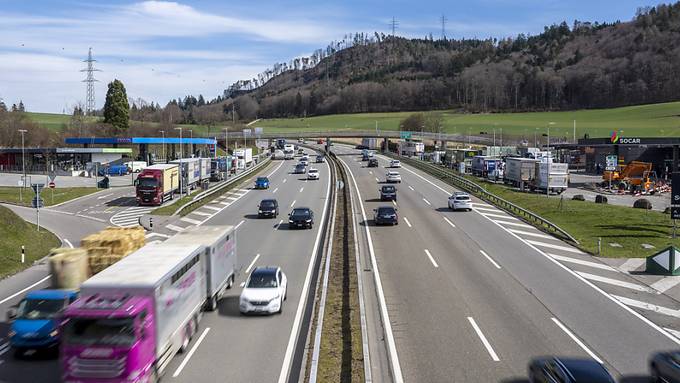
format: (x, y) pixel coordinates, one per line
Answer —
(11, 194)
(15, 232)
(341, 354)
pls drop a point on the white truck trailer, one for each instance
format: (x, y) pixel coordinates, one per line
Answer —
(190, 169)
(219, 244)
(519, 171)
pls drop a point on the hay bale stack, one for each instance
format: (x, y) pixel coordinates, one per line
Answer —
(69, 267)
(111, 245)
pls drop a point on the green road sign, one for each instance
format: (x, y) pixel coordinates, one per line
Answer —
(405, 135)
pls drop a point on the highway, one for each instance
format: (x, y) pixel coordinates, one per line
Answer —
(228, 345)
(470, 300)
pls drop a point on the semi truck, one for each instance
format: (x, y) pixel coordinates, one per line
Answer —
(484, 165)
(190, 172)
(218, 168)
(369, 143)
(157, 183)
(550, 175)
(134, 316)
(280, 143)
(204, 167)
(519, 171)
(219, 243)
(245, 155)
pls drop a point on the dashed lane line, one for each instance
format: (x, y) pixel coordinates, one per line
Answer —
(485, 341)
(190, 220)
(496, 265)
(431, 258)
(577, 340)
(407, 222)
(449, 222)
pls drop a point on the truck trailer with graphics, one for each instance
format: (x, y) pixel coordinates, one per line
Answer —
(157, 183)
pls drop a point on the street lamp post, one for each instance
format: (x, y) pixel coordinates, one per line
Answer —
(163, 134)
(23, 163)
(547, 185)
(180, 161)
(191, 142)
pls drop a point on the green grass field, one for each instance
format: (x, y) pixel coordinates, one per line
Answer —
(16, 232)
(10, 194)
(654, 120)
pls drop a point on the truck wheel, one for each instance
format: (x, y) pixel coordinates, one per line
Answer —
(230, 283)
(212, 303)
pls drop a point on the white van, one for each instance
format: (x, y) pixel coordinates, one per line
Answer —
(136, 166)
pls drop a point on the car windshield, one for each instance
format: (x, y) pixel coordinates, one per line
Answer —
(300, 213)
(39, 308)
(462, 198)
(313, 171)
(262, 179)
(100, 331)
(267, 203)
(262, 280)
(388, 189)
(385, 211)
(147, 182)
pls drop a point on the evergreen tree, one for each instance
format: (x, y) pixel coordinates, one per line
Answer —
(21, 106)
(117, 108)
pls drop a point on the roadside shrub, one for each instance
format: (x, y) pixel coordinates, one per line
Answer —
(578, 197)
(642, 204)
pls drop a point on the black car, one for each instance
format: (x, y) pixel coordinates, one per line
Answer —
(320, 159)
(385, 215)
(300, 169)
(301, 217)
(665, 366)
(268, 208)
(388, 193)
(373, 163)
(568, 370)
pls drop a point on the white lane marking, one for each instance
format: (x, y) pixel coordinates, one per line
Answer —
(486, 343)
(174, 228)
(284, 180)
(393, 357)
(370, 172)
(510, 223)
(105, 196)
(4, 348)
(631, 264)
(224, 203)
(233, 198)
(577, 340)
(427, 202)
(531, 234)
(301, 189)
(376, 179)
(556, 247)
(504, 216)
(493, 210)
(288, 357)
(665, 284)
(274, 171)
(394, 202)
(240, 223)
(275, 190)
(490, 259)
(431, 258)
(191, 221)
(582, 262)
(675, 333)
(449, 222)
(154, 242)
(278, 225)
(407, 222)
(252, 263)
(212, 207)
(616, 282)
(26, 289)
(201, 213)
(191, 353)
(156, 235)
(68, 243)
(411, 187)
(482, 204)
(646, 306)
(292, 203)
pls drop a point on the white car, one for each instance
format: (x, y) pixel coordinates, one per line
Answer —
(460, 201)
(313, 174)
(392, 176)
(264, 291)
(395, 164)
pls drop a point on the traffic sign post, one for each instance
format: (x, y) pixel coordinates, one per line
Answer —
(37, 201)
(405, 135)
(675, 199)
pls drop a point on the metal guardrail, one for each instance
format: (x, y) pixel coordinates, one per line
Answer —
(352, 133)
(448, 176)
(202, 195)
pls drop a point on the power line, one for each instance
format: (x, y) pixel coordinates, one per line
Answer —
(444, 20)
(90, 80)
(394, 24)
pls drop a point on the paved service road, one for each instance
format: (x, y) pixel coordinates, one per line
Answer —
(470, 301)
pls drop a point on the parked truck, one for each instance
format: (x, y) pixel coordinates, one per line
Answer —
(280, 143)
(245, 155)
(190, 172)
(204, 167)
(519, 171)
(157, 183)
(550, 175)
(219, 243)
(218, 168)
(484, 165)
(369, 143)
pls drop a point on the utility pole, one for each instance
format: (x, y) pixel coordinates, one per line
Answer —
(180, 161)
(394, 24)
(574, 131)
(90, 80)
(444, 20)
(163, 134)
(23, 164)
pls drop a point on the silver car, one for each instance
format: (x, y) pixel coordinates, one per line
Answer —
(392, 176)
(460, 201)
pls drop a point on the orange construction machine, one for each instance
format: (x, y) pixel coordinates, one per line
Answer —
(635, 175)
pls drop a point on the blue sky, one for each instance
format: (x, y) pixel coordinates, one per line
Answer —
(163, 50)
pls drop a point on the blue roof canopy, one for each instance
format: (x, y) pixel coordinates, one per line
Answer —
(139, 140)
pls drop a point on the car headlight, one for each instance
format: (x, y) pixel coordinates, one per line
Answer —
(290, 221)
(309, 220)
(54, 333)
(259, 211)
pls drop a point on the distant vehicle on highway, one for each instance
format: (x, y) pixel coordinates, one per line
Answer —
(395, 164)
(385, 215)
(268, 208)
(262, 183)
(264, 291)
(372, 163)
(278, 155)
(288, 154)
(313, 174)
(365, 156)
(319, 141)
(388, 193)
(136, 166)
(304, 161)
(301, 217)
(392, 176)
(301, 140)
(157, 183)
(35, 321)
(301, 151)
(300, 169)
(665, 367)
(568, 370)
(460, 201)
(320, 158)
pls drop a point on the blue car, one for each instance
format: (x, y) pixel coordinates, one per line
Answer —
(262, 183)
(35, 321)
